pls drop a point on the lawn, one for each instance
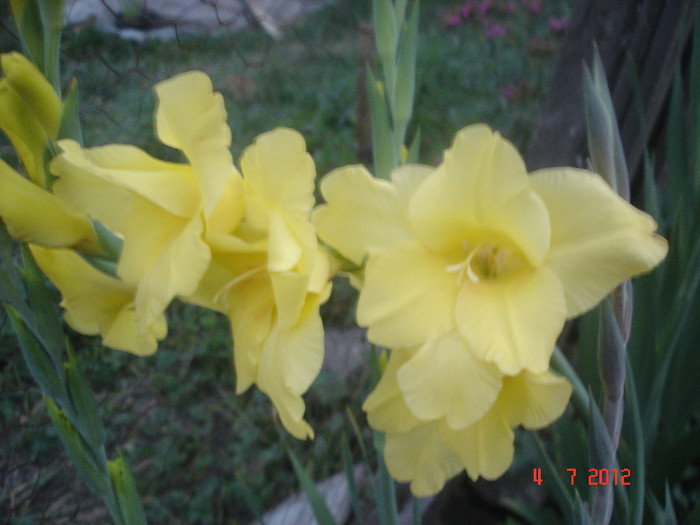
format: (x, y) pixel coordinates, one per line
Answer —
(200, 454)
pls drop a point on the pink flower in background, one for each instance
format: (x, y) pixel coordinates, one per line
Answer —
(484, 7)
(453, 20)
(510, 6)
(467, 9)
(535, 6)
(558, 25)
(507, 91)
(493, 31)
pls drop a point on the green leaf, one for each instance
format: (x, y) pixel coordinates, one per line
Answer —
(125, 491)
(604, 143)
(31, 31)
(43, 303)
(87, 417)
(580, 397)
(677, 153)
(69, 127)
(414, 149)
(318, 505)
(553, 477)
(417, 511)
(383, 151)
(695, 103)
(52, 14)
(528, 513)
(669, 513)
(611, 366)
(10, 295)
(638, 447)
(109, 241)
(405, 77)
(386, 499)
(38, 360)
(651, 194)
(350, 475)
(579, 513)
(601, 453)
(385, 31)
(400, 12)
(92, 469)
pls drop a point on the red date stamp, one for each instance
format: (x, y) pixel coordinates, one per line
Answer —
(596, 476)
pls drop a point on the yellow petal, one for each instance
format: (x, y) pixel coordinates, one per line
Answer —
(278, 175)
(385, 406)
(164, 259)
(192, 118)
(171, 186)
(290, 294)
(98, 303)
(285, 250)
(598, 239)
(407, 298)
(24, 131)
(443, 379)
(93, 196)
(485, 448)
(251, 311)
(212, 288)
(321, 271)
(420, 456)
(33, 88)
(291, 360)
(513, 321)
(481, 191)
(534, 400)
(229, 209)
(34, 215)
(365, 214)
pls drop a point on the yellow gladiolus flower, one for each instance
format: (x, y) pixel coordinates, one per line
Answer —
(96, 303)
(30, 112)
(480, 247)
(427, 451)
(270, 276)
(159, 208)
(34, 215)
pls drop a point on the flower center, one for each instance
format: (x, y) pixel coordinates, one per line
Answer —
(483, 261)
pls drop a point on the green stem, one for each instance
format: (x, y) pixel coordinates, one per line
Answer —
(580, 393)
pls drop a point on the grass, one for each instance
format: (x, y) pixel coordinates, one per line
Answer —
(201, 454)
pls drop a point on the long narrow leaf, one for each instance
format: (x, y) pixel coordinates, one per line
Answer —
(382, 144)
(69, 127)
(350, 475)
(38, 361)
(386, 500)
(318, 504)
(553, 478)
(87, 418)
(44, 305)
(580, 515)
(638, 447)
(405, 77)
(695, 104)
(91, 468)
(602, 456)
(126, 494)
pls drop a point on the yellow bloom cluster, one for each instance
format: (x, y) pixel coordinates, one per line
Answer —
(199, 231)
(471, 270)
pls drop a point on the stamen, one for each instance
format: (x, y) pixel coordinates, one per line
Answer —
(482, 261)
